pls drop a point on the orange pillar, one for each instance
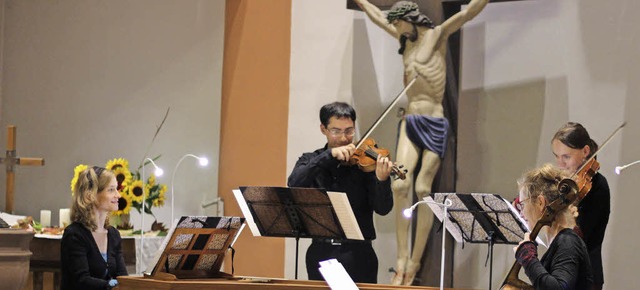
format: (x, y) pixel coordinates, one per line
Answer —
(255, 106)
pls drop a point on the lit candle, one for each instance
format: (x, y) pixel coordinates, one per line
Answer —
(45, 218)
(65, 217)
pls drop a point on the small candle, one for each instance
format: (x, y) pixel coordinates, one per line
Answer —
(45, 218)
(65, 217)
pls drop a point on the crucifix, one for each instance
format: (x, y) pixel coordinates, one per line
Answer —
(431, 59)
(10, 161)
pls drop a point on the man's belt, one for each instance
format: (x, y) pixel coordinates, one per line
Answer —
(338, 242)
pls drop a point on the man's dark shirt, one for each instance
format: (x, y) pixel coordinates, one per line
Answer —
(366, 193)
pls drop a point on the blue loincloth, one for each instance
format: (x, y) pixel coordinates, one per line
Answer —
(428, 132)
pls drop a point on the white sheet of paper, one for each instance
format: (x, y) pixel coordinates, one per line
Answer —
(516, 213)
(11, 219)
(246, 212)
(336, 276)
(439, 212)
(345, 214)
(237, 234)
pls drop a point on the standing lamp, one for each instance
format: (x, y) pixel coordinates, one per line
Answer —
(158, 172)
(447, 203)
(203, 162)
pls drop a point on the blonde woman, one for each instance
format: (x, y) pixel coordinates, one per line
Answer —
(91, 252)
(565, 264)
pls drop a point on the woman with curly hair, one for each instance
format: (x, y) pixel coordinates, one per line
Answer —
(91, 252)
(565, 264)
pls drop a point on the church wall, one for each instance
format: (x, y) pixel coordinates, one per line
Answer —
(88, 81)
(528, 67)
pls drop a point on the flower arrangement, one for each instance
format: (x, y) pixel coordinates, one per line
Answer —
(133, 191)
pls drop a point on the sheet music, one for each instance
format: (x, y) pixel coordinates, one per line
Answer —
(247, 213)
(336, 276)
(237, 235)
(439, 212)
(345, 214)
(516, 213)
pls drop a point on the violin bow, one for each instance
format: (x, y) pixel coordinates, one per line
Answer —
(386, 111)
(599, 149)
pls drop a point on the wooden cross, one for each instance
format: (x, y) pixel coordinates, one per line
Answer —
(10, 161)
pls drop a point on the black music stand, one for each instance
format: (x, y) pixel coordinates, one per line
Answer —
(481, 218)
(298, 213)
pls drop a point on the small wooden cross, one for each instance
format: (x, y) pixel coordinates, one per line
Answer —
(10, 161)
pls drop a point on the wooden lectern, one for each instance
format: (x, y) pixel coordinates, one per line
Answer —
(195, 248)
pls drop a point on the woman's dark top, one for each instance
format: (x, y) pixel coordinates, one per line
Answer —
(82, 265)
(565, 265)
(592, 220)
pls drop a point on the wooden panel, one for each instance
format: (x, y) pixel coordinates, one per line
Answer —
(255, 102)
(243, 283)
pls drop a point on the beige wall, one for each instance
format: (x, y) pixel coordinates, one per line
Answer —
(87, 81)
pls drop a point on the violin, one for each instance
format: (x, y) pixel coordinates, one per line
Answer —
(366, 156)
(367, 151)
(572, 191)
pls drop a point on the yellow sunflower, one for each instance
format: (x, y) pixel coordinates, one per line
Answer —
(116, 163)
(159, 201)
(123, 175)
(124, 204)
(135, 191)
(76, 174)
(152, 180)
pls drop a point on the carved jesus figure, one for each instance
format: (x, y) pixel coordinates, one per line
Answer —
(423, 130)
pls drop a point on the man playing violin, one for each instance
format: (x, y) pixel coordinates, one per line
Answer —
(368, 192)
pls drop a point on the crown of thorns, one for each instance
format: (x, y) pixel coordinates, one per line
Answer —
(401, 9)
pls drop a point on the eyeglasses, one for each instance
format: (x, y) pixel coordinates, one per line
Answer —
(521, 203)
(337, 132)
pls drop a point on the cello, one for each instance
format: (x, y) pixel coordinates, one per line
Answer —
(572, 191)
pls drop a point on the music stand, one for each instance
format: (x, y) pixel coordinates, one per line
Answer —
(298, 213)
(481, 218)
(195, 247)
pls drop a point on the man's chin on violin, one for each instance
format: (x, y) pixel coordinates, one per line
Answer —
(339, 133)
